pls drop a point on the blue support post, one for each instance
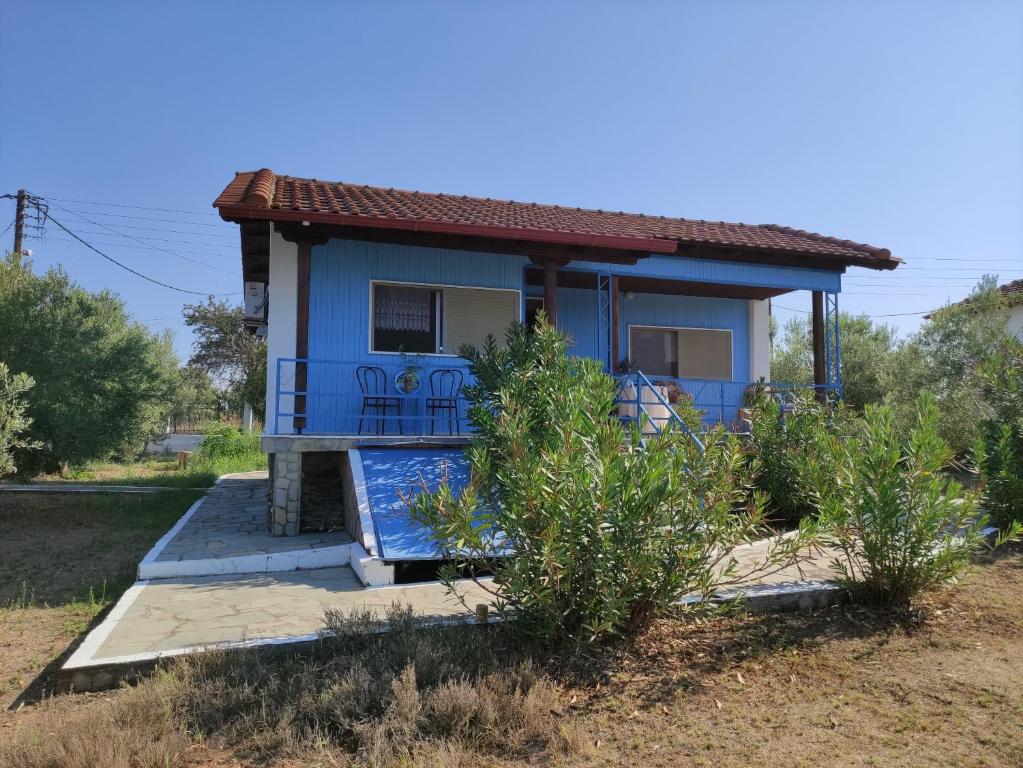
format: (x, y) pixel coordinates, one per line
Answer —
(832, 344)
(605, 344)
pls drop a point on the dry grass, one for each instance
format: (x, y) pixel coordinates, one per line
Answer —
(846, 687)
(380, 698)
(59, 548)
(65, 558)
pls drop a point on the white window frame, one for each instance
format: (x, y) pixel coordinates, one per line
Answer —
(441, 286)
(731, 343)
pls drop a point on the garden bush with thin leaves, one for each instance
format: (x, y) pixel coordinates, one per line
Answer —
(589, 529)
(781, 442)
(999, 453)
(898, 522)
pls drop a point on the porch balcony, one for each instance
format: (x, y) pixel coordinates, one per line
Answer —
(398, 401)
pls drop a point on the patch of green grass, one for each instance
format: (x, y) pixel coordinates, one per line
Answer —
(201, 472)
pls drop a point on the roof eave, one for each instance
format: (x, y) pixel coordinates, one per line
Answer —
(239, 213)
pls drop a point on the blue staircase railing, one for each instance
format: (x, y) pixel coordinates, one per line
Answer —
(649, 401)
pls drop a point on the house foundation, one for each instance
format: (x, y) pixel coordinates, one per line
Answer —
(315, 463)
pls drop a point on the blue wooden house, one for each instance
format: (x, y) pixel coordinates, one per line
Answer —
(366, 294)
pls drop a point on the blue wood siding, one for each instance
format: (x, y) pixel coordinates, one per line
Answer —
(339, 280)
(339, 297)
(723, 272)
(690, 312)
(339, 331)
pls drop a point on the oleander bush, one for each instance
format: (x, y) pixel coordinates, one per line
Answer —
(780, 439)
(589, 527)
(999, 454)
(899, 523)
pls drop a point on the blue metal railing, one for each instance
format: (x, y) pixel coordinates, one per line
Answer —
(331, 401)
(642, 400)
(403, 401)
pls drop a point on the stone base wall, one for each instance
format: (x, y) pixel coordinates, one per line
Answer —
(286, 493)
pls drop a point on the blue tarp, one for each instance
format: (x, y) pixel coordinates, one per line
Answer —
(390, 471)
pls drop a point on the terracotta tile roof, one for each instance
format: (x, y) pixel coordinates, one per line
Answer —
(264, 195)
(1013, 292)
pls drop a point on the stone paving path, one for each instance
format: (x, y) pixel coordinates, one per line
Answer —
(231, 522)
(170, 614)
(167, 615)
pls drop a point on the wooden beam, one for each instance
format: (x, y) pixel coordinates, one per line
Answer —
(550, 291)
(302, 331)
(819, 369)
(320, 233)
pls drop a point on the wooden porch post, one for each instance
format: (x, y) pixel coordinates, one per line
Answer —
(302, 332)
(819, 368)
(550, 291)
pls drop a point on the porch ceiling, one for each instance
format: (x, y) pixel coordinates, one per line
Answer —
(579, 279)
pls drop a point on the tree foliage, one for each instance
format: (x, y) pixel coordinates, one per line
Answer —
(589, 529)
(102, 382)
(999, 453)
(228, 353)
(943, 359)
(14, 422)
(867, 352)
(782, 438)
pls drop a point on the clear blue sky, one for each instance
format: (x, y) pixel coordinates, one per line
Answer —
(898, 124)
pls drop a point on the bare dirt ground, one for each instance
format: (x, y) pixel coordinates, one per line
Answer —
(848, 687)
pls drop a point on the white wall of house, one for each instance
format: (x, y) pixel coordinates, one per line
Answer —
(1016, 321)
(281, 325)
(759, 340)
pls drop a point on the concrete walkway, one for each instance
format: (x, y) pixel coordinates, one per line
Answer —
(225, 533)
(169, 616)
(231, 521)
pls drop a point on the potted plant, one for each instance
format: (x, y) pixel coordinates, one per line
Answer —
(409, 379)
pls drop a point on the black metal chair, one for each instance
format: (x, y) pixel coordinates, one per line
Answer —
(375, 402)
(445, 387)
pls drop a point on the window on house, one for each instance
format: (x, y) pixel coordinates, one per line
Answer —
(406, 319)
(438, 319)
(686, 353)
(534, 304)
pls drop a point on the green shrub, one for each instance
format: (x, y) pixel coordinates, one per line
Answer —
(999, 454)
(13, 421)
(589, 529)
(781, 442)
(222, 441)
(899, 523)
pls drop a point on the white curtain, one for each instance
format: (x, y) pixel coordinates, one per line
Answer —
(399, 308)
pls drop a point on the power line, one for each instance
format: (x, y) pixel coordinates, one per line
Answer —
(48, 237)
(960, 260)
(153, 218)
(147, 237)
(165, 250)
(897, 314)
(134, 271)
(158, 229)
(137, 207)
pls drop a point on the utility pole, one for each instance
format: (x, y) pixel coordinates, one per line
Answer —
(19, 226)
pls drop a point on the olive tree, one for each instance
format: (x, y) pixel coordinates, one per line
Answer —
(14, 423)
(102, 382)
